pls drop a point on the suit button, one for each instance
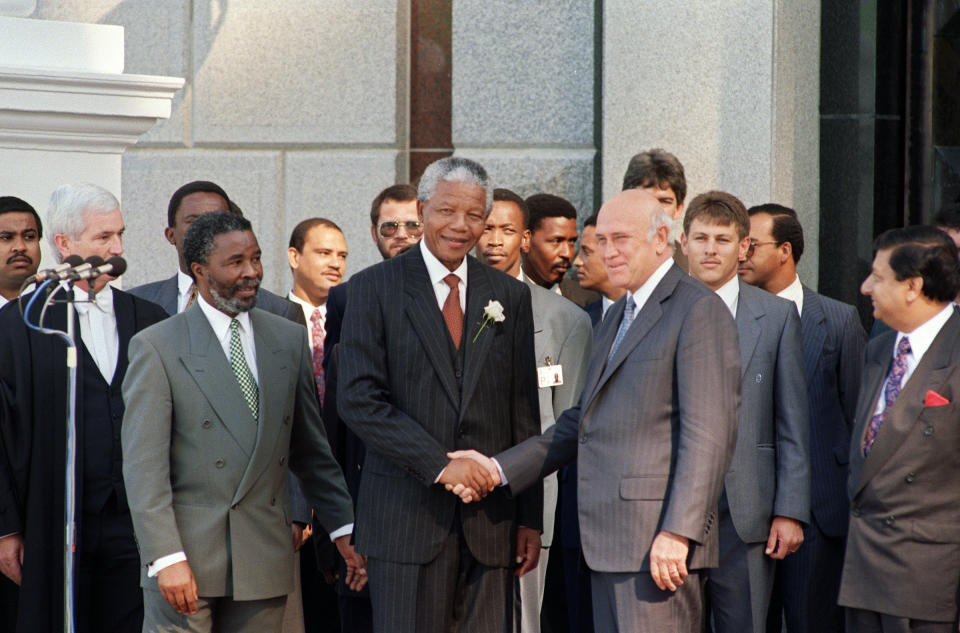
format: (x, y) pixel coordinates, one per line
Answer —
(206, 424)
(928, 431)
(910, 477)
(283, 460)
(890, 520)
(219, 463)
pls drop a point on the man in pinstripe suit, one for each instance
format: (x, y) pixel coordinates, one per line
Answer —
(418, 379)
(808, 582)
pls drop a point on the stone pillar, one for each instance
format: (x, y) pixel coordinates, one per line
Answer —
(67, 111)
(732, 89)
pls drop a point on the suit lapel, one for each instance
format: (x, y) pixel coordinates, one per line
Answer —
(211, 370)
(167, 296)
(274, 374)
(874, 373)
(604, 335)
(813, 331)
(421, 307)
(479, 292)
(748, 328)
(933, 369)
(125, 314)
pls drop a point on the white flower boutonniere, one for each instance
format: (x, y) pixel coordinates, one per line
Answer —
(493, 313)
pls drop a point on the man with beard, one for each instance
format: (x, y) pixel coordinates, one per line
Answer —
(217, 399)
(548, 253)
(82, 220)
(20, 233)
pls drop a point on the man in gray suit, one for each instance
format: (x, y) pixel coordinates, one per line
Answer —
(766, 493)
(174, 294)
(561, 340)
(808, 582)
(901, 569)
(218, 398)
(653, 432)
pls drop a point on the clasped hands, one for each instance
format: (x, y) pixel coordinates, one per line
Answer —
(470, 475)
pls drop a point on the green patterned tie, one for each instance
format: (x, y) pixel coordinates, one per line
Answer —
(242, 372)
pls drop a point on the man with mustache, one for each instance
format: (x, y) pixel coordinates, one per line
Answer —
(219, 397)
(765, 499)
(20, 233)
(548, 253)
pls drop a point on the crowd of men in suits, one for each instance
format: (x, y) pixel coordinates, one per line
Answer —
(493, 429)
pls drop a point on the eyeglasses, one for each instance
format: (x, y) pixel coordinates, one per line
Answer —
(754, 244)
(389, 229)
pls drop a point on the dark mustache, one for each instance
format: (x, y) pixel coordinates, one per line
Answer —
(19, 256)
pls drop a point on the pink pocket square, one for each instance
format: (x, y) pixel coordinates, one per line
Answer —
(934, 399)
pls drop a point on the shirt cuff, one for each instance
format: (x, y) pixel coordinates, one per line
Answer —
(345, 530)
(163, 562)
(440, 474)
(503, 478)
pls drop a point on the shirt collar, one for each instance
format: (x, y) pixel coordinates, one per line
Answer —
(644, 291)
(3, 301)
(922, 337)
(730, 293)
(437, 270)
(103, 300)
(308, 307)
(219, 321)
(794, 292)
(184, 281)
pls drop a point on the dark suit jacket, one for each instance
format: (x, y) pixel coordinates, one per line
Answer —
(33, 436)
(402, 390)
(595, 310)
(164, 294)
(903, 544)
(654, 431)
(833, 342)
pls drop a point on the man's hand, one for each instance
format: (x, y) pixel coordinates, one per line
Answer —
(528, 550)
(300, 533)
(668, 559)
(356, 564)
(466, 493)
(179, 587)
(786, 536)
(11, 556)
(467, 478)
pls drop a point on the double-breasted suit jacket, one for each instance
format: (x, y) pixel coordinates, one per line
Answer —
(903, 543)
(654, 431)
(411, 397)
(203, 476)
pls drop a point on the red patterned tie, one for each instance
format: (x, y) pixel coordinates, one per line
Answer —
(316, 322)
(452, 312)
(890, 392)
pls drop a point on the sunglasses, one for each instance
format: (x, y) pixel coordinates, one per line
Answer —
(389, 229)
(754, 244)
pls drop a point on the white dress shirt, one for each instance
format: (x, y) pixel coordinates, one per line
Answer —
(794, 292)
(438, 271)
(308, 309)
(730, 293)
(184, 283)
(920, 341)
(605, 303)
(98, 330)
(3, 301)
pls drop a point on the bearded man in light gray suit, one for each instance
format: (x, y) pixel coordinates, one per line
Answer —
(766, 495)
(561, 339)
(218, 399)
(653, 432)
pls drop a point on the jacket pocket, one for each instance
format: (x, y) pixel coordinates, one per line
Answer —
(644, 487)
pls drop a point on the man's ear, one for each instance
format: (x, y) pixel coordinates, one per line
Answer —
(683, 243)
(786, 252)
(63, 245)
(168, 233)
(293, 258)
(525, 241)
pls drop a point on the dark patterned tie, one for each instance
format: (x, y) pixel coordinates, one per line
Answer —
(452, 312)
(625, 324)
(316, 322)
(242, 371)
(890, 392)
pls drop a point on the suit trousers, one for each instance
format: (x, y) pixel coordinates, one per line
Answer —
(863, 621)
(739, 589)
(108, 596)
(807, 586)
(632, 603)
(214, 615)
(453, 592)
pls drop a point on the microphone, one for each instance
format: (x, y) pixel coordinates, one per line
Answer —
(59, 271)
(114, 266)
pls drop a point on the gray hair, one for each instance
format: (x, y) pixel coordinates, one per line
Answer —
(454, 169)
(662, 218)
(69, 204)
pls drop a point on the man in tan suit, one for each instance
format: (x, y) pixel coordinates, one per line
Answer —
(219, 397)
(902, 565)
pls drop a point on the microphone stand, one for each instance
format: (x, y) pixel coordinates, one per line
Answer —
(70, 506)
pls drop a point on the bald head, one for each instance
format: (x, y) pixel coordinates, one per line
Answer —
(633, 237)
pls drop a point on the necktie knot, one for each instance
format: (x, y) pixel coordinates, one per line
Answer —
(234, 325)
(451, 280)
(903, 348)
(315, 316)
